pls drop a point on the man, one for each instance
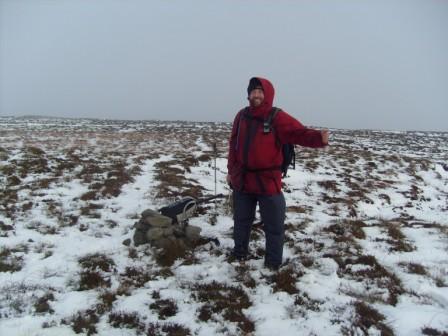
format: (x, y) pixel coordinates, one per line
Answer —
(254, 161)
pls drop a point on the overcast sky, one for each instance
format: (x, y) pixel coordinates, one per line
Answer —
(379, 64)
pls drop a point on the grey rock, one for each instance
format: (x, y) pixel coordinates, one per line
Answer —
(168, 244)
(153, 218)
(193, 233)
(158, 221)
(169, 231)
(178, 231)
(141, 225)
(127, 242)
(162, 243)
(149, 213)
(140, 237)
(154, 234)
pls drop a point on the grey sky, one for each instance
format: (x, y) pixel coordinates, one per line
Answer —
(379, 64)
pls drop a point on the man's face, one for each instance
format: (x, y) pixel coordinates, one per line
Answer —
(256, 97)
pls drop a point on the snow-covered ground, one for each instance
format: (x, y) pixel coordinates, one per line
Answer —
(366, 246)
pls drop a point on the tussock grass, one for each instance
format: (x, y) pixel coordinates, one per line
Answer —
(126, 320)
(398, 240)
(8, 169)
(165, 308)
(414, 268)
(106, 300)
(42, 304)
(5, 230)
(367, 318)
(374, 273)
(285, 280)
(89, 210)
(11, 259)
(21, 299)
(302, 209)
(65, 166)
(94, 273)
(243, 276)
(93, 279)
(329, 185)
(4, 154)
(83, 322)
(433, 332)
(135, 277)
(13, 181)
(90, 196)
(116, 178)
(34, 151)
(215, 297)
(173, 329)
(303, 300)
(8, 202)
(97, 261)
(42, 228)
(345, 230)
(32, 165)
(172, 182)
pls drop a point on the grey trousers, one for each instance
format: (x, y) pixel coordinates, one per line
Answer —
(272, 210)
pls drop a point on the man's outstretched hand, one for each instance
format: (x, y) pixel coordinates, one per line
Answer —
(325, 134)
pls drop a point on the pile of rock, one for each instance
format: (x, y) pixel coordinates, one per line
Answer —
(171, 239)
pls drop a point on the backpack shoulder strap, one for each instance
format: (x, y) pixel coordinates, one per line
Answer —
(241, 114)
(244, 111)
(268, 123)
(272, 115)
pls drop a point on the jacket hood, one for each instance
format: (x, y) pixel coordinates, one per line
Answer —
(269, 94)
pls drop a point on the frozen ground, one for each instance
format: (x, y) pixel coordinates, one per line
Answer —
(366, 234)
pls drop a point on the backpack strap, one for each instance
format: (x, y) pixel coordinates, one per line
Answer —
(267, 125)
(240, 116)
(269, 121)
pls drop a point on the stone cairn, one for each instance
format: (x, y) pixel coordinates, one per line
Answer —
(170, 238)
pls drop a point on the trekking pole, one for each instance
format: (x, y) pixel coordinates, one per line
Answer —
(214, 158)
(215, 152)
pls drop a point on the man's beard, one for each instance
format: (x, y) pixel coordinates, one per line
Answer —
(255, 102)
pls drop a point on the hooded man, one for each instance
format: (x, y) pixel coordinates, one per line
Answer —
(254, 168)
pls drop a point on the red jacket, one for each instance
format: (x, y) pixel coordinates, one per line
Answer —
(264, 151)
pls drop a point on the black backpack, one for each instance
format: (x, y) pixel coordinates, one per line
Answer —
(289, 155)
